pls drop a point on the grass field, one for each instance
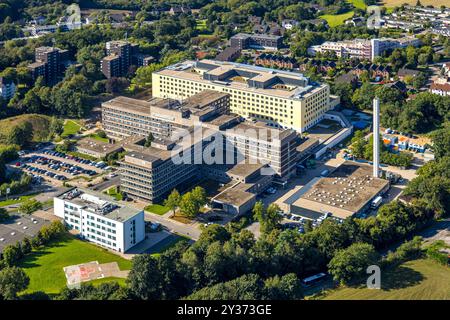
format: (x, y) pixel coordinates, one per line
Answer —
(157, 209)
(335, 20)
(98, 138)
(113, 193)
(39, 122)
(82, 155)
(200, 24)
(45, 266)
(360, 4)
(398, 3)
(70, 128)
(120, 281)
(12, 200)
(419, 279)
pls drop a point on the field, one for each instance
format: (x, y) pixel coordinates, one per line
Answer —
(414, 280)
(45, 266)
(98, 138)
(200, 25)
(12, 200)
(157, 209)
(398, 3)
(335, 20)
(113, 193)
(358, 4)
(70, 128)
(39, 122)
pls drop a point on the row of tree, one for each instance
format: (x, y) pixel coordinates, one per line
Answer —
(14, 252)
(189, 203)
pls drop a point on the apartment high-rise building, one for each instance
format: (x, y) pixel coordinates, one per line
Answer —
(7, 88)
(110, 66)
(48, 64)
(282, 99)
(101, 220)
(118, 59)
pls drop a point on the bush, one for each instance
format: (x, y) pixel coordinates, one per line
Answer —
(349, 265)
(407, 251)
(30, 206)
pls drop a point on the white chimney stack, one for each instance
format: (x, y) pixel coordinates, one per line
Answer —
(376, 136)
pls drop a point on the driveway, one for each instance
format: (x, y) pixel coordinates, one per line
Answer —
(189, 230)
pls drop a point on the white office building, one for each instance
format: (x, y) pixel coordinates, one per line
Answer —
(101, 220)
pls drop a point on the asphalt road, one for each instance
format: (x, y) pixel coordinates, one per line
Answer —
(189, 230)
(106, 184)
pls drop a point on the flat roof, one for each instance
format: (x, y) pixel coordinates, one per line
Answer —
(150, 154)
(256, 35)
(36, 64)
(134, 105)
(98, 146)
(343, 192)
(197, 103)
(111, 57)
(244, 168)
(235, 196)
(99, 204)
(192, 70)
(307, 143)
(18, 228)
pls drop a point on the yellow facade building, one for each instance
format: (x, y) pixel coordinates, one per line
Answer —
(280, 98)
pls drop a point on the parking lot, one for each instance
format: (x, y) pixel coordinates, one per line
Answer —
(57, 167)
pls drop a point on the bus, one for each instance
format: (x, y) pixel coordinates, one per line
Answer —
(312, 280)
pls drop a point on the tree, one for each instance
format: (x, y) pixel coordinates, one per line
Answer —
(148, 140)
(20, 134)
(199, 195)
(12, 281)
(441, 142)
(349, 265)
(363, 96)
(189, 206)
(269, 218)
(144, 279)
(192, 201)
(286, 287)
(173, 200)
(56, 127)
(247, 287)
(12, 253)
(4, 215)
(30, 206)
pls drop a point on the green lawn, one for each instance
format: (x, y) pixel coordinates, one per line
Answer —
(98, 138)
(414, 280)
(45, 266)
(360, 4)
(120, 281)
(335, 20)
(157, 209)
(201, 24)
(12, 201)
(82, 155)
(113, 193)
(70, 127)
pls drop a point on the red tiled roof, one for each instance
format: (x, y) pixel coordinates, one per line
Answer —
(439, 86)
